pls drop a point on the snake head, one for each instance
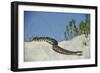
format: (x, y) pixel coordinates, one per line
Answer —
(79, 53)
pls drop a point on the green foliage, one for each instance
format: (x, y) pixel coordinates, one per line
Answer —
(72, 30)
(84, 27)
(81, 28)
(74, 27)
(70, 25)
(67, 29)
(65, 35)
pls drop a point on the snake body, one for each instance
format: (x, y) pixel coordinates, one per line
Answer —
(55, 46)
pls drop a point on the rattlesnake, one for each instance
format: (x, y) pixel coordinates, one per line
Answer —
(55, 46)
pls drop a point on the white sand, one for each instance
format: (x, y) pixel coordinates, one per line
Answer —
(42, 51)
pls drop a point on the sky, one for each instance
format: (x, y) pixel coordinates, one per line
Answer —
(48, 24)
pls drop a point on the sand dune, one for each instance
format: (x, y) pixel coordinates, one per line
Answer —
(42, 51)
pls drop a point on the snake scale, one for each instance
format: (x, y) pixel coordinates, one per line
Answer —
(55, 46)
